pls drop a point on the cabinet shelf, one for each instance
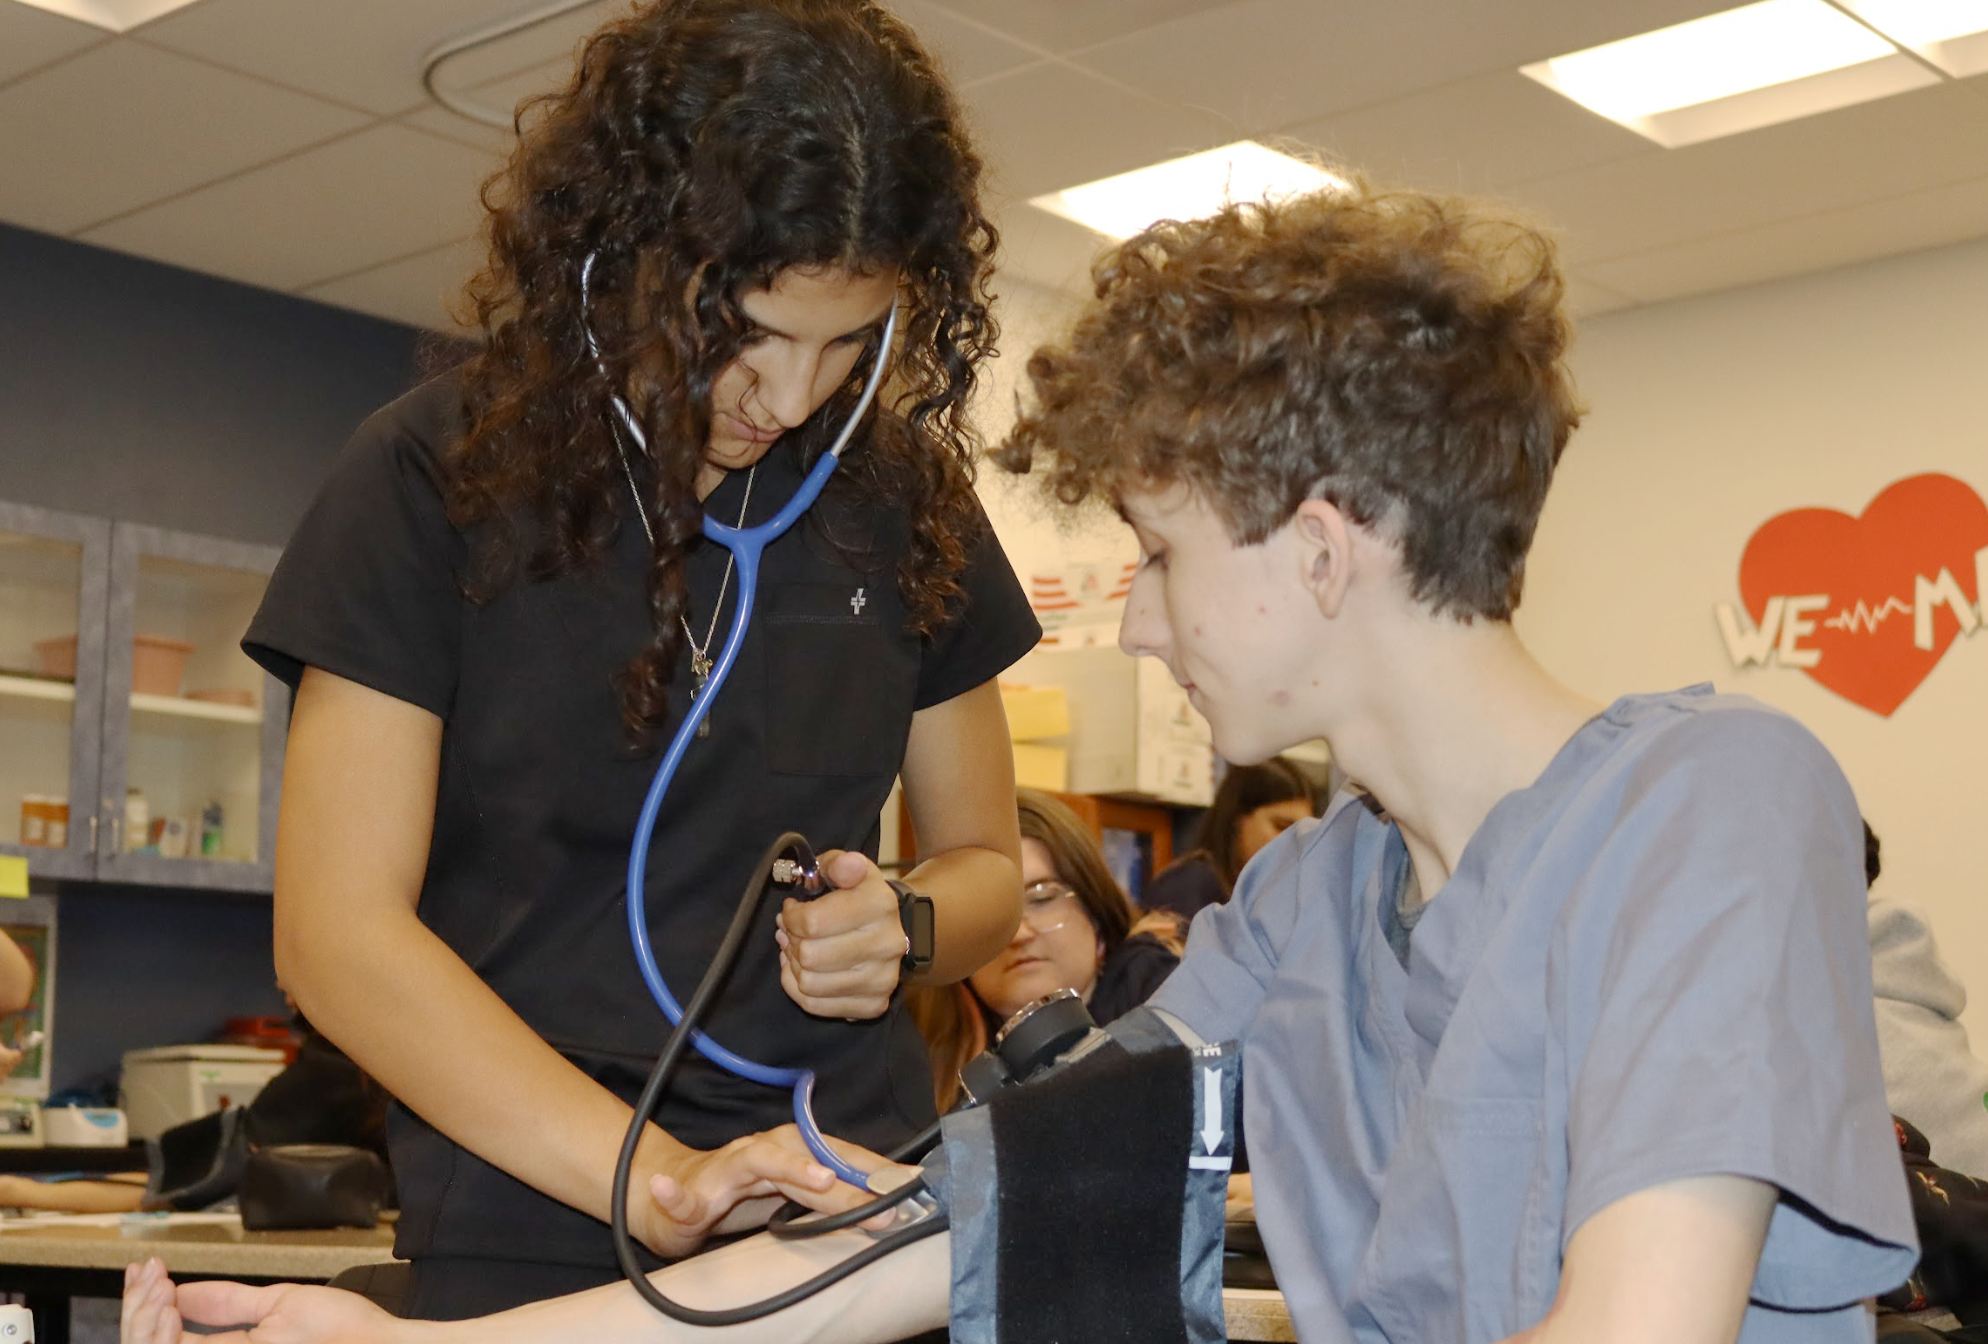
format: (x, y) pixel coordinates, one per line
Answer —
(194, 709)
(36, 688)
(100, 738)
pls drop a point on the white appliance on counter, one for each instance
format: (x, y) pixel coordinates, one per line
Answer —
(168, 1085)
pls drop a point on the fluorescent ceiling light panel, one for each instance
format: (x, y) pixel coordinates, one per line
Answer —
(1734, 71)
(1188, 188)
(1952, 34)
(117, 15)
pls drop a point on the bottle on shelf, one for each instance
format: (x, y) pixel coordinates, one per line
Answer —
(210, 830)
(137, 821)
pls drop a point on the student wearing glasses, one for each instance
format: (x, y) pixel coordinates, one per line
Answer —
(1079, 931)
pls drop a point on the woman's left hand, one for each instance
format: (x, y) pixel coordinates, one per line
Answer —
(840, 953)
(280, 1313)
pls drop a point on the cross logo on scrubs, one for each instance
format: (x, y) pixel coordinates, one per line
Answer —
(857, 603)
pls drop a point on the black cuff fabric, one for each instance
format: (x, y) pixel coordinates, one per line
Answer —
(1088, 1165)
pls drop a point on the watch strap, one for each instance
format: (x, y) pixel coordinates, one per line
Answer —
(915, 913)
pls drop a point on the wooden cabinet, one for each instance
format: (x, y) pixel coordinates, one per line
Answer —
(1147, 828)
(121, 680)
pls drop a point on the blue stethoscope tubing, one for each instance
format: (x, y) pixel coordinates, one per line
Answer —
(746, 545)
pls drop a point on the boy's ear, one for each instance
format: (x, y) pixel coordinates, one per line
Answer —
(1325, 548)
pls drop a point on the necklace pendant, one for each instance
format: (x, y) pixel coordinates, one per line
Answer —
(700, 667)
(697, 691)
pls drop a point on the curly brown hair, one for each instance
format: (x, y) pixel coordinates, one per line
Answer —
(1397, 353)
(702, 148)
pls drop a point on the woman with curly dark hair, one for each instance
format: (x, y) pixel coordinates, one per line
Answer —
(502, 603)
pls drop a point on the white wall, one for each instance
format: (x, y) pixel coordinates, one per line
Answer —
(1711, 415)
(1035, 539)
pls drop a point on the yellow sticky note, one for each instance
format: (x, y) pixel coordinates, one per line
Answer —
(13, 875)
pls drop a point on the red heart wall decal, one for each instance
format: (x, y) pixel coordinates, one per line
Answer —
(1870, 568)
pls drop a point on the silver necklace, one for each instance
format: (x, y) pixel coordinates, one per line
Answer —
(700, 655)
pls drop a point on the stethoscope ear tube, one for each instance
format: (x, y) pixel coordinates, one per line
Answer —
(746, 545)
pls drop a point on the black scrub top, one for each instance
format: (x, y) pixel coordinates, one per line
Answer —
(539, 789)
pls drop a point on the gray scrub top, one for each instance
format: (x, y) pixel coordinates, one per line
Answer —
(1649, 965)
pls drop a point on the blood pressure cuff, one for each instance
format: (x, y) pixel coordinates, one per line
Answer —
(1089, 1204)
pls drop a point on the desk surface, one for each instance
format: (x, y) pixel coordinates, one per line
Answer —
(203, 1244)
(1258, 1314)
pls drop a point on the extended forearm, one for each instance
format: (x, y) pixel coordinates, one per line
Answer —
(470, 1066)
(903, 1294)
(17, 976)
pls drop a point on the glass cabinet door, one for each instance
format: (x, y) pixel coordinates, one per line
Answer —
(193, 730)
(53, 571)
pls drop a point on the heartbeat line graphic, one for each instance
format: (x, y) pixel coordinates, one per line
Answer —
(1862, 617)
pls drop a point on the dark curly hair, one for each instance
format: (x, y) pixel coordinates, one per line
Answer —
(702, 148)
(1397, 353)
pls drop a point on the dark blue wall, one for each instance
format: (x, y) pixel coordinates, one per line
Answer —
(138, 391)
(145, 393)
(137, 966)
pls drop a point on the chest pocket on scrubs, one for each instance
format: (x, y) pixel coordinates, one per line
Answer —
(839, 680)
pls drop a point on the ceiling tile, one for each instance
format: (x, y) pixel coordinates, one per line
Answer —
(502, 95)
(440, 121)
(1050, 127)
(148, 125)
(418, 290)
(385, 193)
(1587, 299)
(366, 53)
(31, 38)
(1948, 214)
(967, 52)
(1263, 65)
(1476, 135)
(1046, 250)
(556, 42)
(1874, 151)
(1065, 25)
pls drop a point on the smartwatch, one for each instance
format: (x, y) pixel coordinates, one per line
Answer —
(915, 913)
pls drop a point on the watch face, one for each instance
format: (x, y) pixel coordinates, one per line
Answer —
(919, 926)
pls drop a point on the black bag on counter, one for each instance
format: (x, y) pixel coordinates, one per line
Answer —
(321, 1098)
(291, 1186)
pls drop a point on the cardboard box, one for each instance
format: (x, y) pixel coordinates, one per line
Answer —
(1040, 766)
(1035, 712)
(1133, 731)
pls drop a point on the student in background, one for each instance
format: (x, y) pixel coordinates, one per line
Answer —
(1078, 932)
(1253, 804)
(17, 977)
(17, 988)
(1932, 1077)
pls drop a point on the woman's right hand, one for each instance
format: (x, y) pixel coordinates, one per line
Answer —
(730, 1189)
